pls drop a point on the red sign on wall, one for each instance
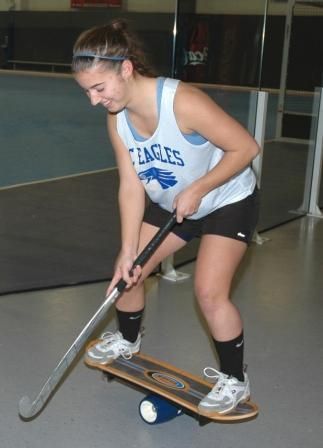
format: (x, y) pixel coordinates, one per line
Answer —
(94, 3)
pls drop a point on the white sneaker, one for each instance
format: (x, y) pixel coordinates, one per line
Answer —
(227, 393)
(111, 346)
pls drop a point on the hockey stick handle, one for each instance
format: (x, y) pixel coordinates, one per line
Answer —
(29, 409)
(147, 252)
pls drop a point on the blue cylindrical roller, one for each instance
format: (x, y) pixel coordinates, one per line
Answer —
(154, 409)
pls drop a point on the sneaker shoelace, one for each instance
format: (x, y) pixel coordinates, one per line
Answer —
(222, 382)
(115, 342)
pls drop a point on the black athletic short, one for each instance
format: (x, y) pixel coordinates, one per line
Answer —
(237, 220)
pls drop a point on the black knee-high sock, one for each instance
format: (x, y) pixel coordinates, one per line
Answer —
(231, 356)
(130, 323)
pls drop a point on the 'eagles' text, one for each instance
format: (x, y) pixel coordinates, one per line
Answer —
(157, 152)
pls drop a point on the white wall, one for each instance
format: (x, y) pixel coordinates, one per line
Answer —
(203, 6)
(247, 7)
(48, 5)
(233, 7)
(39, 5)
(150, 5)
(64, 5)
(250, 7)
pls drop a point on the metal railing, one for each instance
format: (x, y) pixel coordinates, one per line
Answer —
(16, 63)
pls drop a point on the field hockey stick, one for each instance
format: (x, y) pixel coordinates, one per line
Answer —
(28, 408)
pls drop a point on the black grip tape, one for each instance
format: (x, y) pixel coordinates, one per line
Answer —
(147, 252)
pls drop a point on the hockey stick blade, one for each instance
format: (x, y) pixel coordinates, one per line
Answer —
(28, 408)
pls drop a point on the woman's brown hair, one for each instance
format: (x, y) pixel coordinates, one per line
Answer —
(108, 45)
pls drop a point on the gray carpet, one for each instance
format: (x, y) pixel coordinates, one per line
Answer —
(66, 231)
(58, 233)
(61, 232)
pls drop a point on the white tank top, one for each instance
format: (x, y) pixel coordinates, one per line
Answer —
(167, 162)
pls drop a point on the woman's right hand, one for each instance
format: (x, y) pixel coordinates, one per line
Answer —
(123, 269)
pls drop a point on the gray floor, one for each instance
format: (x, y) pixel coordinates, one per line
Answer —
(279, 292)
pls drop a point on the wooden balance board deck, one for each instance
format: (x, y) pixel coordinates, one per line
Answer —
(179, 387)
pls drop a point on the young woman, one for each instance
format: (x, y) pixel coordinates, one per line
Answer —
(174, 143)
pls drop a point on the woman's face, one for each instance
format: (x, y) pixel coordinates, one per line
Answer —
(105, 87)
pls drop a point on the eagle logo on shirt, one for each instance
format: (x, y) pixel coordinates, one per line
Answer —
(165, 178)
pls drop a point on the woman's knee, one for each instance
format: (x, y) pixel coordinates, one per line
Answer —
(210, 297)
